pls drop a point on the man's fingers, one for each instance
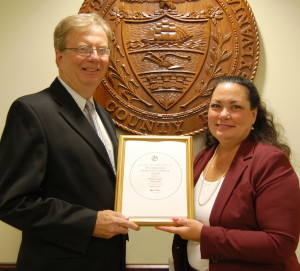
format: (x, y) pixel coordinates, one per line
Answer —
(120, 220)
(126, 223)
(116, 214)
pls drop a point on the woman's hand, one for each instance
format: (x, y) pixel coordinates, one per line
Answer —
(187, 229)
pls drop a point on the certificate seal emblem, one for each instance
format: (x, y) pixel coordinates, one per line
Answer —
(166, 56)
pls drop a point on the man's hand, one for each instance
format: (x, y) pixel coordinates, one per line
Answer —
(187, 229)
(110, 223)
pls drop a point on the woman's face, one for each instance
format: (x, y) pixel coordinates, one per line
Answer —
(230, 116)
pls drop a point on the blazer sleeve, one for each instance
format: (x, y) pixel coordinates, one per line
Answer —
(23, 165)
(261, 220)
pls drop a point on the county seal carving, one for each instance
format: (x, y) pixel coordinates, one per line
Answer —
(166, 55)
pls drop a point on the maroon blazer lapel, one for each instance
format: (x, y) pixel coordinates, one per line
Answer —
(239, 164)
(232, 178)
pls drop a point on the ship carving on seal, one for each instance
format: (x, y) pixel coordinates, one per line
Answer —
(162, 60)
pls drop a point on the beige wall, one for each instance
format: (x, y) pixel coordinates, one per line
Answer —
(27, 65)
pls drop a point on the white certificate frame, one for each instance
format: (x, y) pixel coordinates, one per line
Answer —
(155, 179)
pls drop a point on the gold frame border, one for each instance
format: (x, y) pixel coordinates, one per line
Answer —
(189, 177)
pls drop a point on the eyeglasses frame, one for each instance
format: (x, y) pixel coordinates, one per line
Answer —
(105, 50)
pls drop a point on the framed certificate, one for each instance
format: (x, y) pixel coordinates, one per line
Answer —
(155, 179)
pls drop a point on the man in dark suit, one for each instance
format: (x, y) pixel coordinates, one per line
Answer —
(57, 178)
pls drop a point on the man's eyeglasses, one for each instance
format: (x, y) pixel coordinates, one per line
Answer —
(87, 51)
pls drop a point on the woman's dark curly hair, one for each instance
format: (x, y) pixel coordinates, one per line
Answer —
(265, 129)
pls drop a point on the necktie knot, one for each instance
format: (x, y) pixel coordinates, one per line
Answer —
(89, 105)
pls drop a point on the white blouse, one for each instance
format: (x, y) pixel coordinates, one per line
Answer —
(202, 213)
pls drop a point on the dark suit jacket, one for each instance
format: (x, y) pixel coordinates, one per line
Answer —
(54, 176)
(255, 220)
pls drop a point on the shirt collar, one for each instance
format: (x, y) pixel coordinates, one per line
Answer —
(78, 99)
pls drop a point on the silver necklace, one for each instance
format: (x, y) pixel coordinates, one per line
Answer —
(204, 177)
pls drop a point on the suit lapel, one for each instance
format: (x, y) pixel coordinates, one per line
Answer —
(232, 178)
(70, 111)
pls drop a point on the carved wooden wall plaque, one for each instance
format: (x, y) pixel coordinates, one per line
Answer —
(165, 57)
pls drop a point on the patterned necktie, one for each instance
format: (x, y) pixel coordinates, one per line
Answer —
(93, 118)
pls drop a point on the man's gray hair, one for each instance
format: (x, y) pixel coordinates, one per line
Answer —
(76, 22)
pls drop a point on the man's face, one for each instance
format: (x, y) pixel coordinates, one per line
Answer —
(83, 73)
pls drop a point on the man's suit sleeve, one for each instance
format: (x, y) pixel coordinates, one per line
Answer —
(23, 165)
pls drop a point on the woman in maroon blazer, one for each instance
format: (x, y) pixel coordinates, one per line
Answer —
(247, 197)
